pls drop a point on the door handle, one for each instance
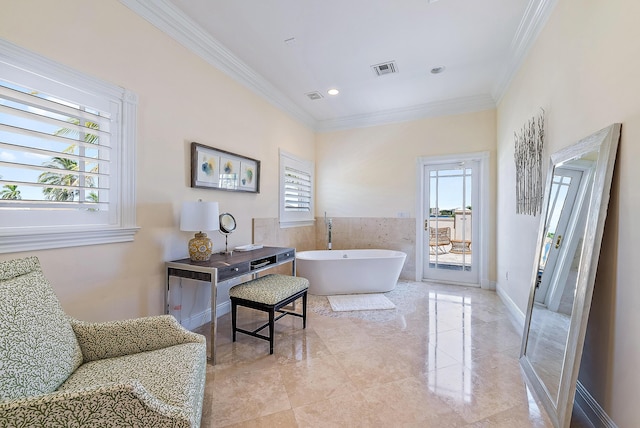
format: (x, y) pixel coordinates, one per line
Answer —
(558, 241)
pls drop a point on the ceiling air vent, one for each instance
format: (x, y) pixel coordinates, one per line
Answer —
(385, 68)
(314, 95)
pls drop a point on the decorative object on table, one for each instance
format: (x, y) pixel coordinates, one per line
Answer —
(199, 217)
(227, 225)
(249, 247)
(529, 144)
(218, 169)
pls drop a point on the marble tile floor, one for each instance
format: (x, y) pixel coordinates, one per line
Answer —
(447, 356)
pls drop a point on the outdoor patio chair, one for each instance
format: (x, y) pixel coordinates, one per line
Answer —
(439, 238)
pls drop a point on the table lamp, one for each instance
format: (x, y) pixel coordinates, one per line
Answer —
(200, 217)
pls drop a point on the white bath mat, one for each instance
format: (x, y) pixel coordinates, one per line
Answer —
(360, 302)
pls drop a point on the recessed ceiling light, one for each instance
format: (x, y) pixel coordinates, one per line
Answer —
(333, 91)
(437, 70)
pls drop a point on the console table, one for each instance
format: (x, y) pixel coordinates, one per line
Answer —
(224, 267)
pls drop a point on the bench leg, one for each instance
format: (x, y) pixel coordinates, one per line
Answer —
(304, 310)
(234, 312)
(272, 314)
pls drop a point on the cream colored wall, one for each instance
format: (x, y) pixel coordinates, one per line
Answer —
(181, 99)
(583, 70)
(371, 172)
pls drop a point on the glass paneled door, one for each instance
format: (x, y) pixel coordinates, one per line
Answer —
(450, 227)
(557, 270)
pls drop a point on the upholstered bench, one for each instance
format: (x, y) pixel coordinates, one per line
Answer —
(270, 294)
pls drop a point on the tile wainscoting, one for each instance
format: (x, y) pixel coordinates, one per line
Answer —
(347, 233)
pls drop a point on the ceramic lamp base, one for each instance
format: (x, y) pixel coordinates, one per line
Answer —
(200, 247)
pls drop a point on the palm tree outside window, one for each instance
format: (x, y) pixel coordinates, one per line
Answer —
(67, 156)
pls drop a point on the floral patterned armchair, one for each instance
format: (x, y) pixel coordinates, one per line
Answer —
(59, 372)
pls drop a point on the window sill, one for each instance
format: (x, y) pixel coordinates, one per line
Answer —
(13, 242)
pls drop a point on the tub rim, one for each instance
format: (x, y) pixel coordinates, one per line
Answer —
(389, 254)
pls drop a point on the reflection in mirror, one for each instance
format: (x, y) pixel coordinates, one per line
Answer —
(576, 199)
(558, 269)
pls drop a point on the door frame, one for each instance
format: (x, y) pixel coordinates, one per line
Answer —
(566, 222)
(575, 223)
(482, 249)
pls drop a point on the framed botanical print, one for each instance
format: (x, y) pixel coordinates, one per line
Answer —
(219, 169)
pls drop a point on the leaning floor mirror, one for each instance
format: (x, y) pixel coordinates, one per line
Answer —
(571, 227)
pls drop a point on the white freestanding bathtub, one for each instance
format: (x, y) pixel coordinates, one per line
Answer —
(350, 271)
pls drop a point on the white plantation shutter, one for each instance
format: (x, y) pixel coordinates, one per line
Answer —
(296, 191)
(55, 154)
(66, 156)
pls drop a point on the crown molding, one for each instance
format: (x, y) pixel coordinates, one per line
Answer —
(432, 109)
(532, 22)
(173, 22)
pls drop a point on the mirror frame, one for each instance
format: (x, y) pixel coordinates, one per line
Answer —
(605, 142)
(223, 229)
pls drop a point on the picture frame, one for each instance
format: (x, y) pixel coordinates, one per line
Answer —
(214, 168)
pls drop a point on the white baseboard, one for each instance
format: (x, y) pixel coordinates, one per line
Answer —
(514, 310)
(203, 317)
(486, 284)
(594, 412)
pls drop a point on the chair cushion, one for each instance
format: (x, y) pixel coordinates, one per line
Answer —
(174, 375)
(269, 289)
(38, 349)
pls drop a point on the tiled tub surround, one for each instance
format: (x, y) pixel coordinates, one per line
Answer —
(267, 231)
(447, 356)
(347, 233)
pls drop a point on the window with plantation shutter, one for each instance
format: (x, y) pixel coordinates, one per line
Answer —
(66, 156)
(296, 191)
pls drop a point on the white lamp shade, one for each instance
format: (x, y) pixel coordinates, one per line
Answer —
(199, 216)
